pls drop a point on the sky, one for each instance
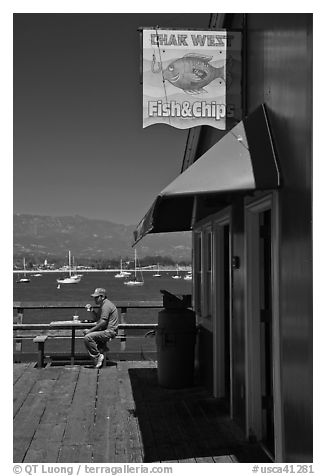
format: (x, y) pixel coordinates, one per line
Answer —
(79, 144)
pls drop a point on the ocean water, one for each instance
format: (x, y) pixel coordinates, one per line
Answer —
(44, 289)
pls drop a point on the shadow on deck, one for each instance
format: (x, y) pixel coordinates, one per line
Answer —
(119, 414)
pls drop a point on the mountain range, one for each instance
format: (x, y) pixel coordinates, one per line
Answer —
(44, 237)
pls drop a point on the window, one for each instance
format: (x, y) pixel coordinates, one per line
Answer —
(203, 266)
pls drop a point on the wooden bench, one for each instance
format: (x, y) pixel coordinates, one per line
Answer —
(41, 339)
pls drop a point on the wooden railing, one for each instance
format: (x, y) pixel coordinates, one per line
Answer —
(123, 306)
(23, 330)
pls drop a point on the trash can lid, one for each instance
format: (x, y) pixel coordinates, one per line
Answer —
(174, 301)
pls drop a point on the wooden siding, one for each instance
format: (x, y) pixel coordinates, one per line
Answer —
(278, 72)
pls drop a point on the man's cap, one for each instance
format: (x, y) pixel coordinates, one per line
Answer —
(99, 292)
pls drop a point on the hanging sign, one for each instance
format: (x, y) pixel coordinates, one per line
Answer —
(191, 78)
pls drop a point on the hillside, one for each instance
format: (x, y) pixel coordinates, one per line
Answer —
(46, 237)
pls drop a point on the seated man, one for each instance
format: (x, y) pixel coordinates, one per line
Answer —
(106, 326)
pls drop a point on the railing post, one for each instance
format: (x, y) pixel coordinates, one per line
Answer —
(72, 353)
(19, 342)
(123, 331)
(20, 315)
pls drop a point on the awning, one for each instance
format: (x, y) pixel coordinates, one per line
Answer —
(244, 159)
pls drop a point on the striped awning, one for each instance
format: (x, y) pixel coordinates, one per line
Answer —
(244, 159)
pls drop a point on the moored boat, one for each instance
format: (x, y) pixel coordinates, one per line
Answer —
(157, 274)
(72, 278)
(122, 273)
(177, 276)
(134, 281)
(24, 279)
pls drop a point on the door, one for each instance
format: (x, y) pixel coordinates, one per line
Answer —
(266, 334)
(263, 393)
(222, 307)
(227, 313)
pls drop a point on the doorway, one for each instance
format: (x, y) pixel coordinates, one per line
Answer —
(266, 336)
(226, 314)
(222, 308)
(263, 397)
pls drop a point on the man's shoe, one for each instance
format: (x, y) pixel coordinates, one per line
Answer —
(99, 361)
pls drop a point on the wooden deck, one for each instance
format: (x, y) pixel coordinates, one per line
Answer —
(119, 414)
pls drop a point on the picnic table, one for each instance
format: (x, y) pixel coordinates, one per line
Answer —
(72, 325)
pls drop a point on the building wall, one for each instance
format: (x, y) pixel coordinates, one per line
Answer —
(279, 74)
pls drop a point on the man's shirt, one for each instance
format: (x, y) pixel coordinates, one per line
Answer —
(108, 312)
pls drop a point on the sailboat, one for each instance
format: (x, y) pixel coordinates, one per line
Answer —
(24, 279)
(74, 268)
(157, 274)
(134, 281)
(188, 276)
(122, 273)
(177, 276)
(72, 278)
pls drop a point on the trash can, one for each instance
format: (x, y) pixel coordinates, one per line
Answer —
(175, 339)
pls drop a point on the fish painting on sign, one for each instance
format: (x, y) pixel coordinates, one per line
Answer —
(186, 75)
(192, 73)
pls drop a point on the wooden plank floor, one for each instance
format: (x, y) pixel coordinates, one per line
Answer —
(120, 414)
